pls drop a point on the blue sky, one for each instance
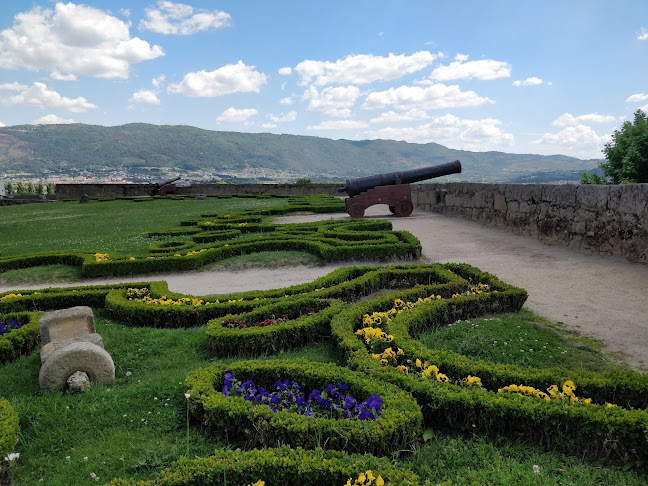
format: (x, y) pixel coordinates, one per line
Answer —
(542, 77)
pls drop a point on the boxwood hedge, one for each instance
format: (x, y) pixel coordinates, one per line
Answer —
(257, 425)
(284, 465)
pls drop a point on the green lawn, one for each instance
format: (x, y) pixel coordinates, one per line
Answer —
(119, 226)
(137, 425)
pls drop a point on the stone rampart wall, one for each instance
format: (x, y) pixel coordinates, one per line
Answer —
(75, 191)
(606, 219)
(610, 219)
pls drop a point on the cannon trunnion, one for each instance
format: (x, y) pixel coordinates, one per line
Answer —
(392, 189)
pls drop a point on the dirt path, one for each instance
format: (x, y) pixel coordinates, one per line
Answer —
(605, 298)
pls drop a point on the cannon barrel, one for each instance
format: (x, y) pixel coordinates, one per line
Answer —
(356, 186)
(170, 181)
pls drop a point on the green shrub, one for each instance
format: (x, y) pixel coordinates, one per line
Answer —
(297, 331)
(241, 421)
(9, 430)
(20, 342)
(284, 465)
(596, 431)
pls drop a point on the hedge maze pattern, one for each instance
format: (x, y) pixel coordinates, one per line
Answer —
(374, 314)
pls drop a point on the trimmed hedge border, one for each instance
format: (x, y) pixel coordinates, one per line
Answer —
(609, 434)
(398, 427)
(9, 430)
(298, 331)
(20, 342)
(281, 466)
(217, 237)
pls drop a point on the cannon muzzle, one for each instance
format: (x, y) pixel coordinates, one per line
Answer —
(356, 186)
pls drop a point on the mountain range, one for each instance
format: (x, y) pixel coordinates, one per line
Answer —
(39, 150)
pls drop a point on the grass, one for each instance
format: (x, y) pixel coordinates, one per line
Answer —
(267, 259)
(520, 338)
(137, 425)
(40, 274)
(66, 273)
(119, 226)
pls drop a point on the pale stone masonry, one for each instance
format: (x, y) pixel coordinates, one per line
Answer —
(611, 219)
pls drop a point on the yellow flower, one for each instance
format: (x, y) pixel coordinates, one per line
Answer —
(380, 481)
(418, 363)
(441, 378)
(132, 258)
(403, 369)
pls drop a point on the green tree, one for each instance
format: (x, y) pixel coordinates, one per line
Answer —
(20, 188)
(30, 188)
(9, 188)
(626, 155)
(50, 188)
(40, 188)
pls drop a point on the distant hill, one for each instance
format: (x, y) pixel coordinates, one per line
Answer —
(46, 149)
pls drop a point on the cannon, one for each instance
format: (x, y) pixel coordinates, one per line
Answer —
(164, 188)
(392, 189)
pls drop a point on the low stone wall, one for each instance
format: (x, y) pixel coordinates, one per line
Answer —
(75, 191)
(292, 189)
(611, 219)
(606, 219)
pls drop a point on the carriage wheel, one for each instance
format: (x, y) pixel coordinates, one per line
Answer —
(356, 211)
(392, 210)
(403, 208)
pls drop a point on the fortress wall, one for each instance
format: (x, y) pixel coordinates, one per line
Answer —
(607, 219)
(611, 219)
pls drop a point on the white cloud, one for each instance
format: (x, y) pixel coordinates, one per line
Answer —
(232, 78)
(643, 35)
(39, 95)
(362, 68)
(333, 101)
(286, 101)
(392, 116)
(485, 69)
(158, 82)
(62, 77)
(269, 125)
(285, 71)
(532, 81)
(232, 115)
(125, 12)
(52, 120)
(480, 135)
(2, 124)
(288, 117)
(577, 141)
(145, 96)
(73, 39)
(338, 125)
(432, 97)
(569, 120)
(637, 98)
(12, 87)
(178, 18)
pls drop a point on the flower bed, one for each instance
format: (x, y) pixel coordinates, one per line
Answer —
(19, 335)
(297, 329)
(242, 421)
(283, 466)
(288, 395)
(439, 381)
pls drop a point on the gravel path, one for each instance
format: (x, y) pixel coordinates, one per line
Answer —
(605, 298)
